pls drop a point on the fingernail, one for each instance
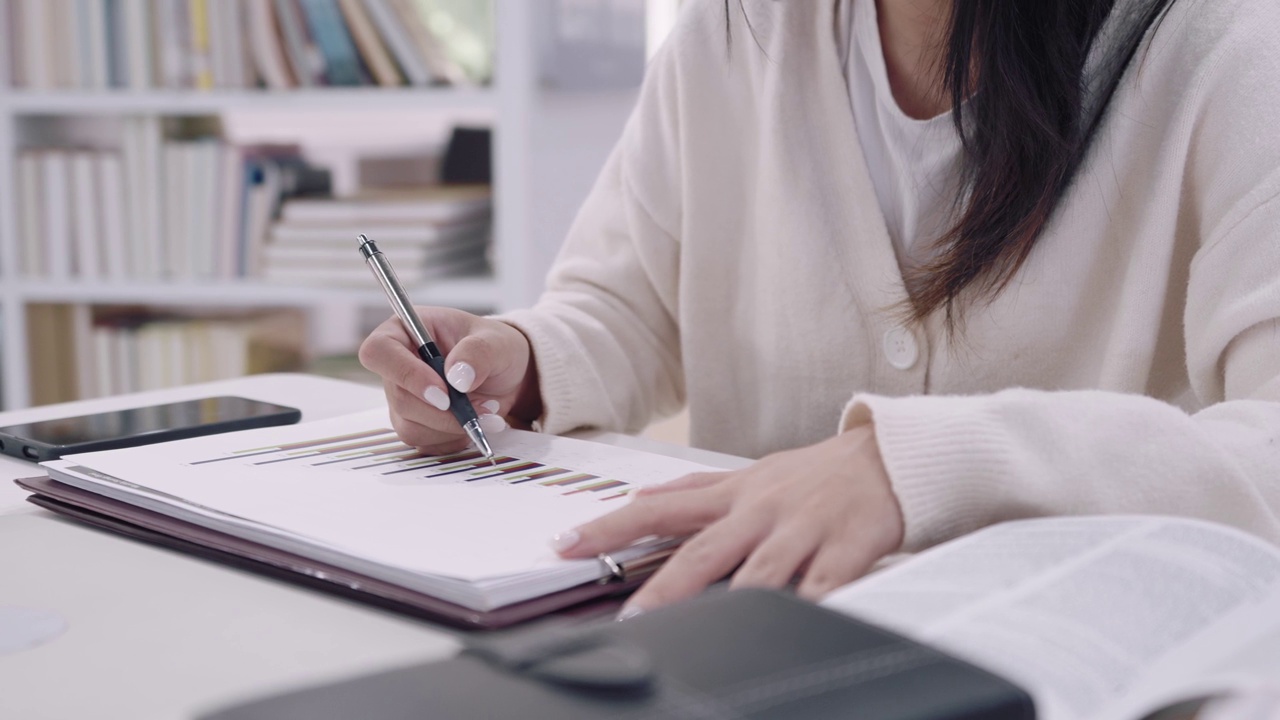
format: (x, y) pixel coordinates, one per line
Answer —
(492, 423)
(565, 540)
(461, 376)
(629, 611)
(438, 398)
(490, 406)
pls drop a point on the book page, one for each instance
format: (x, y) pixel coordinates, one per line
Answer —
(1087, 614)
(350, 487)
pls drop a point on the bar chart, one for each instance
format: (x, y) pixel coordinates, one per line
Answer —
(378, 453)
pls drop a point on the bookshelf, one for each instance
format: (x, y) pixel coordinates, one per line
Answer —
(548, 146)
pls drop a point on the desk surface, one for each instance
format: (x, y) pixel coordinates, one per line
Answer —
(153, 634)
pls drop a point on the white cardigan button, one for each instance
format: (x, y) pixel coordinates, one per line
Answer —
(900, 348)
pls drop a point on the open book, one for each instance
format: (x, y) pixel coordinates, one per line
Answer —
(348, 495)
(1103, 617)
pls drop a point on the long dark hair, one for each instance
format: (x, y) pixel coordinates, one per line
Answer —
(1026, 105)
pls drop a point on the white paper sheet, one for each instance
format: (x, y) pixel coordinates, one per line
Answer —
(349, 485)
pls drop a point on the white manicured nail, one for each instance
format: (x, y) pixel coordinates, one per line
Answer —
(461, 376)
(492, 424)
(629, 611)
(438, 398)
(565, 540)
(490, 406)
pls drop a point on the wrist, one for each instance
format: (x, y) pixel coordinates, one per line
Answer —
(870, 464)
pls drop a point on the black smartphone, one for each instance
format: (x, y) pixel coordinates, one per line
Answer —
(51, 439)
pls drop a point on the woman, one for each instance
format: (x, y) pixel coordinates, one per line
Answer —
(939, 265)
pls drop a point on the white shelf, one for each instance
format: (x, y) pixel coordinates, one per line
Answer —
(548, 148)
(192, 102)
(470, 292)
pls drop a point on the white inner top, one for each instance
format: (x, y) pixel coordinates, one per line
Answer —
(914, 164)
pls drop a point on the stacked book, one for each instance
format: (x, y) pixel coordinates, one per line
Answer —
(234, 44)
(155, 209)
(427, 233)
(122, 351)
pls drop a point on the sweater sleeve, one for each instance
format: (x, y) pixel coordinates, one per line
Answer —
(604, 334)
(959, 463)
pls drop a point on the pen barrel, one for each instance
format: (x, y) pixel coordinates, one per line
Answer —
(459, 403)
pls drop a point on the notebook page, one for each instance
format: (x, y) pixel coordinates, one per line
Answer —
(349, 483)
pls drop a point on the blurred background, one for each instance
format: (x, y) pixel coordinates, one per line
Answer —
(181, 181)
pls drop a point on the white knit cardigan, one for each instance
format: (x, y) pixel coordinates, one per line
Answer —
(733, 256)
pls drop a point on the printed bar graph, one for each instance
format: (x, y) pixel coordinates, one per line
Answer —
(289, 447)
(597, 487)
(571, 480)
(397, 459)
(307, 454)
(379, 453)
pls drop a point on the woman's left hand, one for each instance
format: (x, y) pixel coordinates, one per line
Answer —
(824, 514)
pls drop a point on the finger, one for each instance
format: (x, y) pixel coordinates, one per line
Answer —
(704, 559)
(777, 559)
(664, 515)
(837, 562)
(693, 481)
(387, 352)
(414, 410)
(473, 360)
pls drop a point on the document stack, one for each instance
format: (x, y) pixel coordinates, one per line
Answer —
(430, 233)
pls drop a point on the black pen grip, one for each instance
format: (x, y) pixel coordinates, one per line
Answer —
(459, 403)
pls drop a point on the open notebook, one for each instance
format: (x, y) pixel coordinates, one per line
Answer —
(346, 495)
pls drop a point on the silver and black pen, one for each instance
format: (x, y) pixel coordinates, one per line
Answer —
(459, 403)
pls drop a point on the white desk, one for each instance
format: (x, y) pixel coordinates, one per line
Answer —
(156, 635)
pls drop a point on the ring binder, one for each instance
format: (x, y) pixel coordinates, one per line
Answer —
(616, 572)
(640, 567)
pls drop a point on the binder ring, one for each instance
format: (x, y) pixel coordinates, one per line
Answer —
(615, 569)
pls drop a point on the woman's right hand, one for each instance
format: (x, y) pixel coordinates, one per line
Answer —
(487, 359)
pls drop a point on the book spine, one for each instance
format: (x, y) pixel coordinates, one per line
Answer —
(172, 38)
(265, 45)
(81, 353)
(429, 46)
(37, 63)
(240, 65)
(57, 241)
(219, 59)
(111, 186)
(175, 211)
(117, 52)
(144, 168)
(199, 52)
(297, 44)
(30, 187)
(379, 63)
(103, 361)
(341, 61)
(11, 53)
(86, 222)
(230, 213)
(137, 41)
(98, 54)
(397, 39)
(62, 18)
